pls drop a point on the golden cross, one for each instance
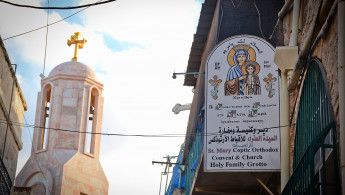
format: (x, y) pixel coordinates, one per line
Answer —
(79, 44)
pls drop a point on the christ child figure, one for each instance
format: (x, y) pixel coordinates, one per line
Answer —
(251, 82)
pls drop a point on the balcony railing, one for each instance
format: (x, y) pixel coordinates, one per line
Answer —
(304, 179)
(194, 156)
(193, 161)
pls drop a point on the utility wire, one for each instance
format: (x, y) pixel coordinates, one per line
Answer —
(46, 25)
(45, 49)
(85, 132)
(260, 26)
(73, 7)
(119, 134)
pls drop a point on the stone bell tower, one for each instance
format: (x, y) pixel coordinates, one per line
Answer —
(63, 160)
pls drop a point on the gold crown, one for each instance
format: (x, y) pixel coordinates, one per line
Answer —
(241, 47)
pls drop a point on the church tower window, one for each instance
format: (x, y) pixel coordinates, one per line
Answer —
(92, 118)
(43, 137)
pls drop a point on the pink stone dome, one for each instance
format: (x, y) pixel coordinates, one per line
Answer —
(73, 68)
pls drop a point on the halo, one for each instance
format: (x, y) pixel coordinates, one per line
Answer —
(251, 52)
(257, 67)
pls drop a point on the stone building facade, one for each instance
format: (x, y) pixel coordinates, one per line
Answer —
(10, 135)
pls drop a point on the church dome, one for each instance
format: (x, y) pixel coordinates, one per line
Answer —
(73, 68)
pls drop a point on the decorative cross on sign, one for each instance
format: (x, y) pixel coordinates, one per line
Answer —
(215, 83)
(79, 44)
(269, 84)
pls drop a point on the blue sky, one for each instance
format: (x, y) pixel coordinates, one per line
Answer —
(117, 45)
(77, 19)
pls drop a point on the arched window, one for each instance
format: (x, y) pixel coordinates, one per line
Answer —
(91, 127)
(315, 158)
(43, 133)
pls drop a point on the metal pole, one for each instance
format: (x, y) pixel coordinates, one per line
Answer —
(166, 171)
(160, 185)
(166, 183)
(341, 77)
(9, 111)
(284, 132)
(295, 17)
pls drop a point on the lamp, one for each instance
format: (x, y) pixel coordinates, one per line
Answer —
(183, 73)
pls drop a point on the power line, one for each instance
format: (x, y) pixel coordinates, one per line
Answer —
(46, 25)
(260, 26)
(85, 132)
(73, 7)
(45, 49)
(120, 134)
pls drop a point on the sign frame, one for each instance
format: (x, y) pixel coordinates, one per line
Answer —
(218, 87)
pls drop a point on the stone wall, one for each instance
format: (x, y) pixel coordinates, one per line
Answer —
(326, 50)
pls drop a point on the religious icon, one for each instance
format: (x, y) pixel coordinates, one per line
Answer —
(270, 81)
(237, 56)
(215, 84)
(250, 80)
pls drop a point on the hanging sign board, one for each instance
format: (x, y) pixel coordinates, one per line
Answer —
(242, 107)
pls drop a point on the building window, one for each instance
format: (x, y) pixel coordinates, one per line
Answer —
(92, 118)
(43, 138)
